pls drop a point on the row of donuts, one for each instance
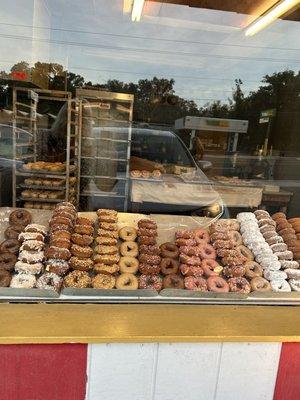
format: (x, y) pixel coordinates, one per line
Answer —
(289, 230)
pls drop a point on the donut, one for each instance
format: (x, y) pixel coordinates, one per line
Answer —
(278, 247)
(148, 269)
(61, 234)
(284, 255)
(153, 282)
(252, 269)
(296, 228)
(49, 281)
(149, 259)
(207, 252)
(65, 204)
(32, 245)
(5, 278)
(62, 213)
(81, 264)
(234, 259)
(217, 284)
(128, 264)
(259, 284)
(289, 264)
(60, 220)
(266, 221)
(107, 259)
(106, 241)
(147, 232)
(169, 250)
(235, 237)
(101, 249)
(108, 226)
(23, 281)
(58, 253)
(106, 212)
(84, 221)
(225, 225)
(220, 235)
(107, 234)
(185, 234)
(293, 220)
(282, 225)
(287, 231)
(239, 285)
(274, 239)
(84, 229)
(77, 279)
(246, 252)
(190, 270)
(190, 250)
(201, 235)
(20, 217)
(173, 281)
(82, 240)
(274, 275)
(58, 267)
(147, 240)
(81, 251)
(193, 260)
(210, 267)
(103, 281)
(195, 283)
(10, 246)
(127, 282)
(267, 235)
(280, 286)
(106, 269)
(128, 233)
(292, 273)
(267, 228)
(129, 249)
(13, 231)
(278, 215)
(234, 271)
(168, 266)
(185, 242)
(108, 218)
(224, 244)
(26, 268)
(294, 284)
(36, 228)
(151, 249)
(135, 173)
(62, 243)
(261, 214)
(31, 257)
(147, 223)
(7, 261)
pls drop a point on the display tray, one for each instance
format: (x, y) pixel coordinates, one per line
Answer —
(36, 293)
(109, 293)
(41, 187)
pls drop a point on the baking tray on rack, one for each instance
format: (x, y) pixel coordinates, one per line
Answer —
(38, 199)
(43, 172)
(41, 187)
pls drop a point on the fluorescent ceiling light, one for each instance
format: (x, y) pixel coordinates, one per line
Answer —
(271, 16)
(137, 9)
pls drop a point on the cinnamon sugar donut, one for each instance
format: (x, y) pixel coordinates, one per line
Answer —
(195, 283)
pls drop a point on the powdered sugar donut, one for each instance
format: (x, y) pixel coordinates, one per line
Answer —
(295, 284)
(274, 240)
(280, 286)
(292, 273)
(292, 264)
(278, 247)
(284, 255)
(274, 275)
(270, 264)
(23, 281)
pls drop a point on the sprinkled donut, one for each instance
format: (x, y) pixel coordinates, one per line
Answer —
(106, 258)
(108, 226)
(147, 223)
(103, 281)
(193, 260)
(234, 271)
(106, 241)
(150, 282)
(195, 283)
(102, 249)
(149, 269)
(210, 267)
(147, 240)
(84, 221)
(217, 284)
(185, 234)
(147, 232)
(107, 234)
(149, 259)
(82, 240)
(207, 252)
(201, 235)
(151, 249)
(191, 270)
(107, 212)
(239, 285)
(84, 229)
(185, 242)
(77, 279)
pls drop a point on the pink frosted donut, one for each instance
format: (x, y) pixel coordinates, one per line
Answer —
(207, 252)
(190, 270)
(195, 283)
(209, 267)
(217, 284)
(189, 250)
(185, 242)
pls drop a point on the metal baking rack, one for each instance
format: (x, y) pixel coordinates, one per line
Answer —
(25, 99)
(102, 165)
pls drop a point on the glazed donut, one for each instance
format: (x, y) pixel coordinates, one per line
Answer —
(127, 282)
(287, 231)
(147, 223)
(147, 232)
(190, 270)
(259, 284)
(108, 234)
(246, 252)
(49, 281)
(185, 242)
(81, 251)
(195, 283)
(101, 249)
(210, 267)
(129, 249)
(5, 278)
(81, 264)
(239, 285)
(36, 228)
(84, 229)
(278, 215)
(193, 260)
(84, 221)
(103, 281)
(13, 231)
(77, 279)
(106, 212)
(148, 269)
(10, 246)
(106, 269)
(106, 241)
(234, 271)
(26, 268)
(217, 284)
(173, 281)
(201, 235)
(108, 226)
(153, 282)
(169, 266)
(23, 281)
(7, 261)
(31, 257)
(58, 267)
(82, 240)
(149, 259)
(128, 264)
(169, 250)
(185, 234)
(151, 249)
(235, 237)
(207, 252)
(32, 245)
(252, 270)
(58, 253)
(107, 259)
(128, 233)
(20, 217)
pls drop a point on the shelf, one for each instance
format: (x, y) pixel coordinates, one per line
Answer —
(124, 178)
(24, 157)
(36, 187)
(40, 174)
(97, 194)
(39, 200)
(105, 158)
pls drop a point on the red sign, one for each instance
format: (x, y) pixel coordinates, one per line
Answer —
(19, 75)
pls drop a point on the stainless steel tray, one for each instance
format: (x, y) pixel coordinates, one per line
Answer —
(32, 293)
(109, 293)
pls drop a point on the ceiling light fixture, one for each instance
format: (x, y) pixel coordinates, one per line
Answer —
(137, 9)
(270, 16)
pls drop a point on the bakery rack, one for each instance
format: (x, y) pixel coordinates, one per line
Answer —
(106, 145)
(25, 99)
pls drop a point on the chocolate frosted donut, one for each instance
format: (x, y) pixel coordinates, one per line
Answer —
(151, 249)
(7, 261)
(173, 281)
(10, 246)
(13, 231)
(169, 250)
(148, 259)
(20, 217)
(169, 266)
(5, 278)
(58, 267)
